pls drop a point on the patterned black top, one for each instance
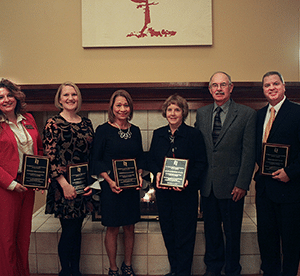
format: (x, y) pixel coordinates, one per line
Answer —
(66, 143)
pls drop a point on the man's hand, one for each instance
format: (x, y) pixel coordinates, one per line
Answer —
(280, 175)
(237, 194)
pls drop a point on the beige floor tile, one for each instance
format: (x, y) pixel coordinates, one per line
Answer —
(141, 227)
(140, 245)
(47, 263)
(199, 244)
(49, 228)
(250, 264)
(158, 265)
(200, 227)
(32, 246)
(105, 261)
(93, 227)
(156, 245)
(154, 227)
(140, 265)
(249, 244)
(198, 267)
(32, 263)
(91, 264)
(92, 244)
(46, 243)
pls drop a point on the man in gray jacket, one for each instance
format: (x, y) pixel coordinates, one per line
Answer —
(228, 129)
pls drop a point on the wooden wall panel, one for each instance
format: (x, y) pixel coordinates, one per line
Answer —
(150, 96)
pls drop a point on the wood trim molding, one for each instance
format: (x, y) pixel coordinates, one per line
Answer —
(150, 96)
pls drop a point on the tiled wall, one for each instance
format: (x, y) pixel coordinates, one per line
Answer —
(146, 120)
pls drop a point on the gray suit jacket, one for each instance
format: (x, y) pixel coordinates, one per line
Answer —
(231, 160)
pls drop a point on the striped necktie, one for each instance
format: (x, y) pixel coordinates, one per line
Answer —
(269, 125)
(217, 125)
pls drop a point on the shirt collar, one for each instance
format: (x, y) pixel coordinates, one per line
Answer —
(179, 131)
(224, 107)
(277, 106)
(20, 117)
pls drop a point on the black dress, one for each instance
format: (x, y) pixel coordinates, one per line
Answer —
(124, 208)
(66, 143)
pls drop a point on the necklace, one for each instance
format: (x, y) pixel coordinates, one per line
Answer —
(122, 134)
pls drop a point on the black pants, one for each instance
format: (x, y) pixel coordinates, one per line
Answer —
(278, 231)
(178, 221)
(229, 213)
(69, 246)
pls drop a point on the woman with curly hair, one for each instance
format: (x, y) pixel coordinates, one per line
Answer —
(18, 136)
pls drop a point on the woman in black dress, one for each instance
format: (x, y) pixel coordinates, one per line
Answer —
(178, 208)
(67, 140)
(118, 139)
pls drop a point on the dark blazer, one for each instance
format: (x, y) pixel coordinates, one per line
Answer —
(231, 160)
(189, 144)
(285, 130)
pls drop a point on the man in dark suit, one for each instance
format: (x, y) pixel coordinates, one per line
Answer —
(278, 195)
(228, 129)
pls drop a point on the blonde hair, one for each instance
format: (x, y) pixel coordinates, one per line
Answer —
(58, 95)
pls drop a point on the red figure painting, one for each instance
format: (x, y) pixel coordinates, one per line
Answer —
(146, 30)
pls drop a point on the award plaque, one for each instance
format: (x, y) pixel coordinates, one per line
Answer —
(274, 157)
(125, 172)
(35, 171)
(78, 176)
(174, 172)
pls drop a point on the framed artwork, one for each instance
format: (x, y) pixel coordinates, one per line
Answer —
(128, 23)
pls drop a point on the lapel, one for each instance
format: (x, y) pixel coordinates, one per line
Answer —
(7, 131)
(27, 123)
(282, 113)
(231, 116)
(260, 123)
(208, 125)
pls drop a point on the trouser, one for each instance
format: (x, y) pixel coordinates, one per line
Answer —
(278, 227)
(69, 246)
(229, 213)
(15, 229)
(178, 222)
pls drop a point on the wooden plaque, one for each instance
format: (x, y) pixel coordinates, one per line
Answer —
(274, 157)
(35, 171)
(174, 172)
(125, 172)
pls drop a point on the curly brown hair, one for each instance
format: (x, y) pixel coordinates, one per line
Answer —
(15, 90)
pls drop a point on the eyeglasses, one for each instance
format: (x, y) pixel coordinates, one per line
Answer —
(222, 85)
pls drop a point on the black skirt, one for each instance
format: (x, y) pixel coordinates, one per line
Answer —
(119, 209)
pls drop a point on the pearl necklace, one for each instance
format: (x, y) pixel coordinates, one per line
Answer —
(122, 134)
